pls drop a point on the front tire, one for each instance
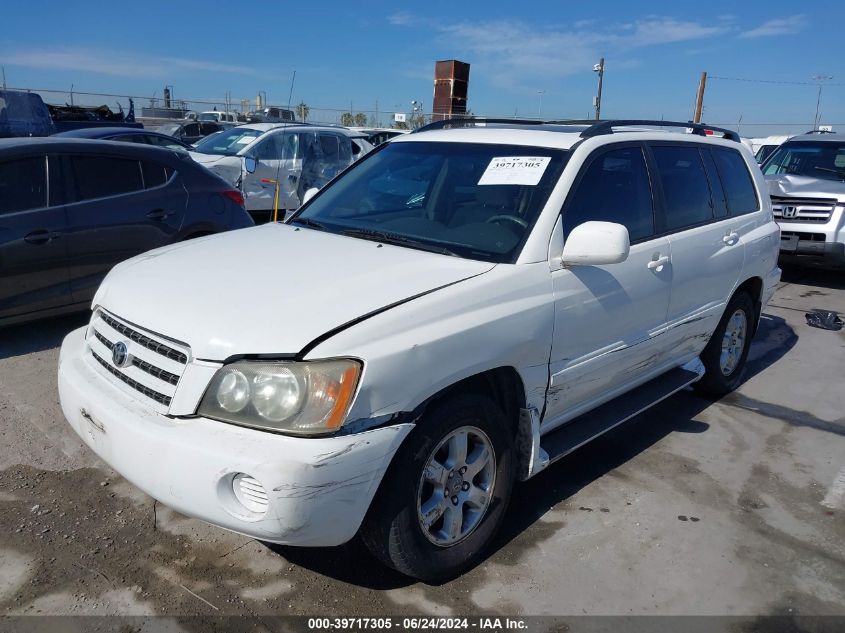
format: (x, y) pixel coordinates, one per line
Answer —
(444, 496)
(725, 355)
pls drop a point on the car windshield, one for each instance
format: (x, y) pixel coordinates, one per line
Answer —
(207, 116)
(824, 159)
(228, 142)
(473, 200)
(170, 129)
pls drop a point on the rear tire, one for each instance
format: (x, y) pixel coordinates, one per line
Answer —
(438, 509)
(725, 355)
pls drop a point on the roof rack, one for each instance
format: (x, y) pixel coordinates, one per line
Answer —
(594, 128)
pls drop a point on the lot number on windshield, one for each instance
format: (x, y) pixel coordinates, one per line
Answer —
(514, 170)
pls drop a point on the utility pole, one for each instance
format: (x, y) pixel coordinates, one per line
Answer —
(599, 68)
(699, 98)
(4, 76)
(540, 94)
(819, 79)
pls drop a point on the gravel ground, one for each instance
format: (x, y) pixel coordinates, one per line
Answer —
(727, 508)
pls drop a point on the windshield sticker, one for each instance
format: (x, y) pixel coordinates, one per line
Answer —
(245, 139)
(515, 170)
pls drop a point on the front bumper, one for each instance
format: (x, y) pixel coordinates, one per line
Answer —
(318, 489)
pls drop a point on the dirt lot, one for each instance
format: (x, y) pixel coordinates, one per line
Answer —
(734, 508)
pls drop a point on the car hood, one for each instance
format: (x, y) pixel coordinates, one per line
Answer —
(227, 167)
(804, 187)
(270, 289)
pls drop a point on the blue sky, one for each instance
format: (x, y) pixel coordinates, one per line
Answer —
(360, 53)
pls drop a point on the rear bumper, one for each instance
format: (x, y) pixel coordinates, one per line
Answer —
(318, 489)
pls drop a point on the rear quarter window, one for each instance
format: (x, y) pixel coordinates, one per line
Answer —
(736, 181)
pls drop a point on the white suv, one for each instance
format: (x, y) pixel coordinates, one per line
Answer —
(458, 310)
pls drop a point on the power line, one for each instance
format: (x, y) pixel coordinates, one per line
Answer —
(774, 81)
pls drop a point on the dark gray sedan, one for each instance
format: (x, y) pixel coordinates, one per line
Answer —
(71, 209)
(127, 135)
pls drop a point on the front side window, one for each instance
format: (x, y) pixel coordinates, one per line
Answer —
(23, 184)
(614, 188)
(228, 142)
(91, 177)
(472, 200)
(825, 160)
(686, 192)
(736, 181)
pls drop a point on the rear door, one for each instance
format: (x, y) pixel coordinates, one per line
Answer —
(33, 256)
(278, 160)
(708, 251)
(117, 207)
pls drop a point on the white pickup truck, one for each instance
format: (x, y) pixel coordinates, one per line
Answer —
(453, 313)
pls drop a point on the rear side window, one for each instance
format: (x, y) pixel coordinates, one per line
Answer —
(91, 177)
(736, 181)
(23, 184)
(155, 175)
(686, 193)
(614, 188)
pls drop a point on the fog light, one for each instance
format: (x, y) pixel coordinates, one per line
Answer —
(250, 493)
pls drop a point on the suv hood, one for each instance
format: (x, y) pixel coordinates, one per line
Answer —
(804, 186)
(270, 289)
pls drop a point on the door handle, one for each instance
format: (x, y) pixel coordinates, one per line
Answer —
(159, 214)
(731, 238)
(41, 236)
(658, 264)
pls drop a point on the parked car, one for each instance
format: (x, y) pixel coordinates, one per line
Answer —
(215, 116)
(271, 115)
(128, 135)
(379, 135)
(468, 306)
(189, 132)
(807, 183)
(26, 114)
(72, 208)
(765, 147)
(299, 157)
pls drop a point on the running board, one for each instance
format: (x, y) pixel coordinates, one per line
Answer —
(590, 425)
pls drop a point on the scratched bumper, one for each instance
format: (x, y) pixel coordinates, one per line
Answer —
(318, 488)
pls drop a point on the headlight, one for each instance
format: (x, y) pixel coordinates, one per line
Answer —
(304, 398)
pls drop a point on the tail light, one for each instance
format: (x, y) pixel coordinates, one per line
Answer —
(235, 196)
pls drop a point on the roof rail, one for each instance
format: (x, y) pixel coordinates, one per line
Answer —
(594, 128)
(469, 120)
(606, 127)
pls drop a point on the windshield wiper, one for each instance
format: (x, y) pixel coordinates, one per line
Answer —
(309, 222)
(398, 240)
(838, 172)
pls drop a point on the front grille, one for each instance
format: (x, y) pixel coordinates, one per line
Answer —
(155, 395)
(147, 342)
(805, 209)
(154, 365)
(808, 237)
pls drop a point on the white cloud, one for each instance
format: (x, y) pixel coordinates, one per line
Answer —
(778, 26)
(111, 63)
(516, 54)
(402, 18)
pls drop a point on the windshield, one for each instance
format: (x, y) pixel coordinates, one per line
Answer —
(207, 116)
(477, 201)
(170, 129)
(228, 142)
(825, 160)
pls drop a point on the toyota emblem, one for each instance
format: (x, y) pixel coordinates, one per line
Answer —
(120, 355)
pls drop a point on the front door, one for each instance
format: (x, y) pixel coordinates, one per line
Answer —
(277, 159)
(609, 320)
(33, 255)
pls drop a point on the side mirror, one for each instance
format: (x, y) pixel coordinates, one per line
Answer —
(309, 194)
(250, 164)
(595, 244)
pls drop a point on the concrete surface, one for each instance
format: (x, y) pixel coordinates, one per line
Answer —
(733, 507)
